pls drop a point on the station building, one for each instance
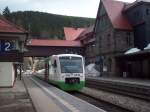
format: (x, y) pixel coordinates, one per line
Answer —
(119, 27)
(12, 40)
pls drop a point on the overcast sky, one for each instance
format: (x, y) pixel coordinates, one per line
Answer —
(82, 8)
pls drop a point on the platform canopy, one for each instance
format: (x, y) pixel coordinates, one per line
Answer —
(141, 55)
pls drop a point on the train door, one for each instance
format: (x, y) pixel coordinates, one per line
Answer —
(46, 71)
(55, 65)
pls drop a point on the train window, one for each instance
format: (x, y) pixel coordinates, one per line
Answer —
(55, 64)
(71, 64)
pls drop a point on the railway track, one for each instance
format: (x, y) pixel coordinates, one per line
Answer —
(133, 90)
(99, 103)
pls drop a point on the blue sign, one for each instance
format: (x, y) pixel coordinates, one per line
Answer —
(6, 45)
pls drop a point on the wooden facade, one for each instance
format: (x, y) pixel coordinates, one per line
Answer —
(134, 65)
(110, 41)
(118, 28)
(138, 14)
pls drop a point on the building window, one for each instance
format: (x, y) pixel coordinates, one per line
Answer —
(109, 64)
(136, 14)
(102, 11)
(99, 42)
(147, 11)
(90, 48)
(103, 23)
(128, 39)
(104, 64)
(108, 40)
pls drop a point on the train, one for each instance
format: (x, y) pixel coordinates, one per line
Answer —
(66, 71)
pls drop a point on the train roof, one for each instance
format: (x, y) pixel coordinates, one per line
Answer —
(61, 55)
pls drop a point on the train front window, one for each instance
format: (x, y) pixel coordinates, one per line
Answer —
(71, 64)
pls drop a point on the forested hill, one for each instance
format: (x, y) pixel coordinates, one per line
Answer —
(45, 25)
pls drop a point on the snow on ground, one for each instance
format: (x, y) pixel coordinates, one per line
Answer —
(28, 72)
(42, 71)
(91, 71)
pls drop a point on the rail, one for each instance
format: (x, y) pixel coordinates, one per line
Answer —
(133, 90)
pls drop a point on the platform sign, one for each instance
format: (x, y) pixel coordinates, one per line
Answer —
(6, 45)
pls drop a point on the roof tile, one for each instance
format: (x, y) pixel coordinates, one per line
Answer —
(8, 27)
(72, 33)
(114, 10)
(86, 31)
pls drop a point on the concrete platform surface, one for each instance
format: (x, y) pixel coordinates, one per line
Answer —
(15, 99)
(47, 98)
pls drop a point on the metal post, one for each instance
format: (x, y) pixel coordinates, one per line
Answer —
(20, 71)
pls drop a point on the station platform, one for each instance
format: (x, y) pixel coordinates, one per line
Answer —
(47, 98)
(15, 99)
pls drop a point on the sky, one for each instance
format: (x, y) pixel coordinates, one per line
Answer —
(80, 8)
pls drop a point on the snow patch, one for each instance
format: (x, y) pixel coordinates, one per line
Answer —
(147, 47)
(91, 71)
(132, 50)
(42, 71)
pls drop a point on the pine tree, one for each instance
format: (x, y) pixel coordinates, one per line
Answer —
(6, 13)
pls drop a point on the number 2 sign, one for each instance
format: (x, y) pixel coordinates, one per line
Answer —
(5, 46)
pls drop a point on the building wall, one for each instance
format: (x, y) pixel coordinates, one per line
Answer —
(135, 15)
(7, 75)
(139, 18)
(109, 43)
(117, 43)
(90, 54)
(104, 39)
(11, 50)
(123, 40)
(106, 42)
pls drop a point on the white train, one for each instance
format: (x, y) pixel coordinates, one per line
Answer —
(66, 71)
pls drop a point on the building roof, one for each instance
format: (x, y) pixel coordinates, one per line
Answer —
(86, 31)
(72, 33)
(56, 43)
(8, 27)
(129, 6)
(114, 10)
(141, 55)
